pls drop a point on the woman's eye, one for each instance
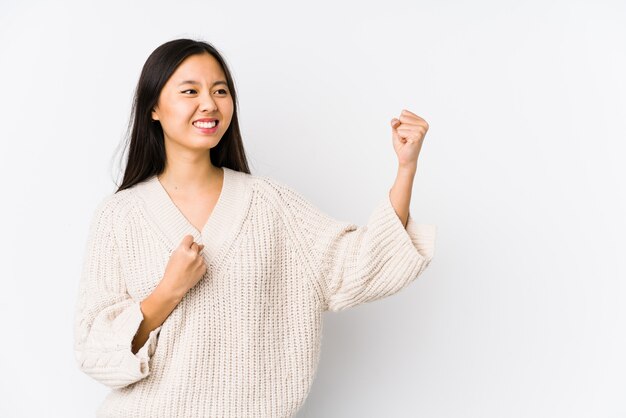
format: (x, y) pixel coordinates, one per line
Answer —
(224, 90)
(188, 90)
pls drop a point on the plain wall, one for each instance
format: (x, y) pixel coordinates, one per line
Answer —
(520, 313)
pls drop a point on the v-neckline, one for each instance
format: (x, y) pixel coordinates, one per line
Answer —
(220, 228)
(202, 231)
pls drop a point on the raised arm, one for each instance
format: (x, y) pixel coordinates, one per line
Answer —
(354, 264)
(400, 193)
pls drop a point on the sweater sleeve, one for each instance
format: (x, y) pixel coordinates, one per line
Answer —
(356, 264)
(106, 317)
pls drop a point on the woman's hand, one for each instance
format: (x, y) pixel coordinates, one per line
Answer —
(408, 134)
(184, 269)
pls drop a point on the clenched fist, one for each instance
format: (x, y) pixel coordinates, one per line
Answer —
(407, 134)
(185, 267)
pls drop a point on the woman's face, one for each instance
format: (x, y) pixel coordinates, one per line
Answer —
(197, 90)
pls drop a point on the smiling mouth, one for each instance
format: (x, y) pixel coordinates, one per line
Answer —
(206, 125)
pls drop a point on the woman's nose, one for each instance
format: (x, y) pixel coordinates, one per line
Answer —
(208, 103)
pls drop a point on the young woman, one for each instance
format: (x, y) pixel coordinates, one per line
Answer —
(203, 286)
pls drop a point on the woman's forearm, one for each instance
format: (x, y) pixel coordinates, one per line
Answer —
(400, 193)
(155, 308)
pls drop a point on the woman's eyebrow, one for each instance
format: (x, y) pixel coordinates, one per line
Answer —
(198, 83)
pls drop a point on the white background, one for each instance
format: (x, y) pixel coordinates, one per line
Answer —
(521, 312)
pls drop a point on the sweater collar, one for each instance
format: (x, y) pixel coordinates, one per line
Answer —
(223, 223)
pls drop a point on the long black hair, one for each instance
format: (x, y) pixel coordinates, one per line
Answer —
(146, 155)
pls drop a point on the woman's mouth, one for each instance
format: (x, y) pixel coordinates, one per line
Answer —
(207, 127)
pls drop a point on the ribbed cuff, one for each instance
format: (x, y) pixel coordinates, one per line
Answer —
(423, 237)
(135, 317)
(127, 325)
(414, 239)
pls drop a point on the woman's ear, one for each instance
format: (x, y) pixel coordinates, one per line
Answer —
(155, 117)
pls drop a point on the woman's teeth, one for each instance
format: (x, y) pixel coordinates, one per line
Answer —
(205, 124)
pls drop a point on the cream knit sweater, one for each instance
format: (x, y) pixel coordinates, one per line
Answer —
(245, 341)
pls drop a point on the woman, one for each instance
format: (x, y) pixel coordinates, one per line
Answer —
(203, 286)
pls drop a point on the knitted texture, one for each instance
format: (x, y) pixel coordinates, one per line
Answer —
(245, 340)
